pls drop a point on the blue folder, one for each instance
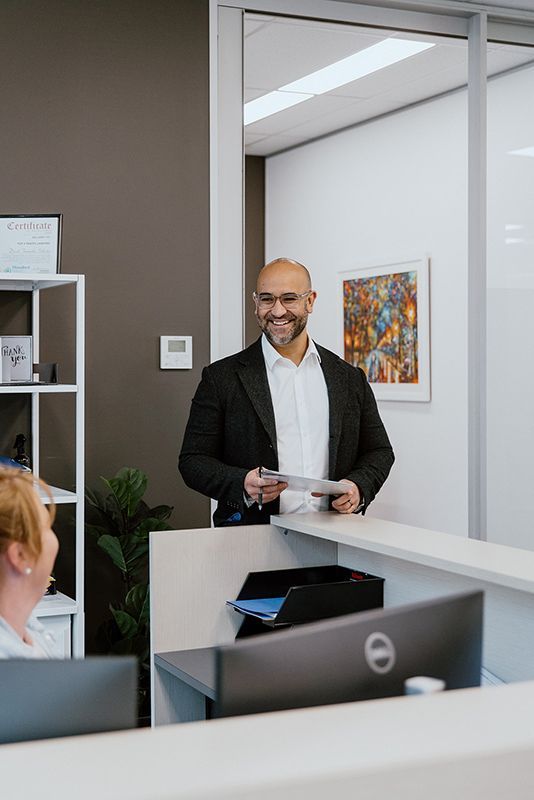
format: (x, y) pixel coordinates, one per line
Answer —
(261, 607)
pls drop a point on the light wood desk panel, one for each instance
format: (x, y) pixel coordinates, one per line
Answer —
(192, 575)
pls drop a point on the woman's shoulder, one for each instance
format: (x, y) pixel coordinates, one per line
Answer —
(12, 646)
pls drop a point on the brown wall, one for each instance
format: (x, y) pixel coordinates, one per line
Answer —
(254, 236)
(105, 119)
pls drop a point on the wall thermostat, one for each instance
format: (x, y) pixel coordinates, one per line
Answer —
(176, 352)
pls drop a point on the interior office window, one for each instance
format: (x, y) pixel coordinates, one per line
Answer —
(510, 296)
(364, 135)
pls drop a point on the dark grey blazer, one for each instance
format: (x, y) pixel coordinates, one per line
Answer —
(231, 430)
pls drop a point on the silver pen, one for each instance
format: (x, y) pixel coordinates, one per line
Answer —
(260, 493)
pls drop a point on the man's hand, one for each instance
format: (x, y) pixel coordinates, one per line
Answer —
(348, 503)
(270, 488)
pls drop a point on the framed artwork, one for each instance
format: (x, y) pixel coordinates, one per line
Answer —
(386, 327)
(30, 244)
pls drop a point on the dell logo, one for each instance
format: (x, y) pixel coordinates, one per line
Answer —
(379, 653)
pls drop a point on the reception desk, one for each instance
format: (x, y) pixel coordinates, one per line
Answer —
(194, 572)
(476, 743)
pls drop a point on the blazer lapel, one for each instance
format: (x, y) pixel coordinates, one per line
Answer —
(253, 375)
(336, 383)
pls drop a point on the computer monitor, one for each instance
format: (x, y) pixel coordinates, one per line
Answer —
(359, 656)
(41, 699)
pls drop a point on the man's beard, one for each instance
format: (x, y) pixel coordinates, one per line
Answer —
(296, 326)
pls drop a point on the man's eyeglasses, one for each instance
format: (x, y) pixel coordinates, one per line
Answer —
(289, 299)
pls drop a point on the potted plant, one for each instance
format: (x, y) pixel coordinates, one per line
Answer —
(120, 523)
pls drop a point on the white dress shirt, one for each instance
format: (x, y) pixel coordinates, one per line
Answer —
(300, 402)
(12, 646)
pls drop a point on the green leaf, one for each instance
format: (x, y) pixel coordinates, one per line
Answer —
(161, 512)
(96, 530)
(125, 622)
(104, 510)
(141, 512)
(128, 487)
(94, 499)
(133, 549)
(135, 600)
(148, 525)
(115, 516)
(112, 546)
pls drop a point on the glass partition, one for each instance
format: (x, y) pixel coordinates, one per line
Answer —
(510, 299)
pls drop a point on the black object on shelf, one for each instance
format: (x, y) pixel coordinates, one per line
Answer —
(310, 594)
(22, 457)
(48, 372)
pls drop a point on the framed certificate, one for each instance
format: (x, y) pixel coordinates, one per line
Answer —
(30, 244)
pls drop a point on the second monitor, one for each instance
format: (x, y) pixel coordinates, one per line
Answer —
(356, 657)
(44, 698)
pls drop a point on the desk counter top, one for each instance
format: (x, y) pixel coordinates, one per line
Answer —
(412, 747)
(494, 563)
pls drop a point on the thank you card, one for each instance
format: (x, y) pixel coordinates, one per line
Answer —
(16, 364)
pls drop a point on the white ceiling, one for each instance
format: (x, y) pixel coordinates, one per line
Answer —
(519, 5)
(279, 50)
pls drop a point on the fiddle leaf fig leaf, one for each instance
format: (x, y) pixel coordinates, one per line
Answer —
(128, 486)
(135, 600)
(148, 525)
(161, 512)
(96, 530)
(125, 623)
(94, 498)
(112, 546)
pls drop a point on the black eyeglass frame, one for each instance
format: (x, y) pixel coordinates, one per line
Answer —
(291, 297)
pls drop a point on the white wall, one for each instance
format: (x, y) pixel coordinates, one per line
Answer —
(397, 187)
(510, 310)
(384, 191)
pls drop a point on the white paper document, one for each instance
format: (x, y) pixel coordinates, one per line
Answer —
(299, 483)
(30, 244)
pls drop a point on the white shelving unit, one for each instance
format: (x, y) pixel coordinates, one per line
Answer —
(63, 615)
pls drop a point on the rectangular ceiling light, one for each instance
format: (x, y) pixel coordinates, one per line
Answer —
(525, 151)
(349, 69)
(373, 58)
(271, 103)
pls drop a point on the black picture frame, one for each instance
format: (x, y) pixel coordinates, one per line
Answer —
(30, 224)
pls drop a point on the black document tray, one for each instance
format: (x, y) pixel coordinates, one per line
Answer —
(311, 593)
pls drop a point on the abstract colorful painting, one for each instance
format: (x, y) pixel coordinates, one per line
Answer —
(386, 330)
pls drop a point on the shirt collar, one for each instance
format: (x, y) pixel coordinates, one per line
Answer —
(271, 355)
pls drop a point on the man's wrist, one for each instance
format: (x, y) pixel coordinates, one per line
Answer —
(361, 504)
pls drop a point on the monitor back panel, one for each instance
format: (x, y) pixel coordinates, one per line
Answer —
(357, 657)
(40, 699)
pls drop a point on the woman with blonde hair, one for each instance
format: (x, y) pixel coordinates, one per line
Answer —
(28, 549)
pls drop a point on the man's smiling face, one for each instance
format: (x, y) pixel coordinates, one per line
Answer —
(283, 325)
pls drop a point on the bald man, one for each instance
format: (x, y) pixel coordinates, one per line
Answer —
(287, 404)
